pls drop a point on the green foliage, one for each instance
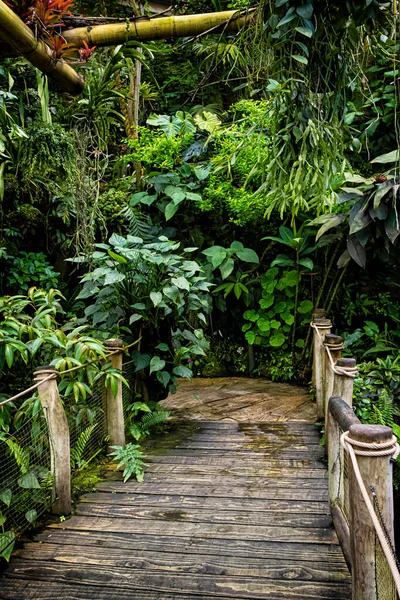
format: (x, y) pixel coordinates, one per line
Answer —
(78, 450)
(29, 269)
(131, 458)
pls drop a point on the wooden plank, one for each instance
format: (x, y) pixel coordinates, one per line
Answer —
(185, 563)
(246, 549)
(249, 446)
(207, 586)
(229, 461)
(204, 516)
(21, 589)
(318, 453)
(232, 469)
(191, 502)
(226, 480)
(203, 530)
(214, 491)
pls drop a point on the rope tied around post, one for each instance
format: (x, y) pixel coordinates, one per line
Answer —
(346, 371)
(389, 448)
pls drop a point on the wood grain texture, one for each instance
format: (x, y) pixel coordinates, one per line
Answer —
(229, 509)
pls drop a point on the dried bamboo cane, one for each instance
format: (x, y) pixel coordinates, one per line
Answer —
(16, 34)
(157, 28)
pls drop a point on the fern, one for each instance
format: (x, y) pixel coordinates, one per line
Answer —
(139, 225)
(80, 446)
(130, 457)
(154, 418)
(383, 410)
(21, 455)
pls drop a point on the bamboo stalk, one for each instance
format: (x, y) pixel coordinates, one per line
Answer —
(16, 34)
(157, 28)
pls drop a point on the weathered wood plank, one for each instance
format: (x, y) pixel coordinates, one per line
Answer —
(214, 491)
(266, 533)
(207, 586)
(238, 472)
(229, 461)
(205, 516)
(192, 502)
(257, 483)
(197, 564)
(245, 549)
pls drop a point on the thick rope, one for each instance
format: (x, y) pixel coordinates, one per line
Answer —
(346, 371)
(387, 448)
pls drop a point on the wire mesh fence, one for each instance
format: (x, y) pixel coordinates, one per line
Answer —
(128, 393)
(26, 480)
(87, 425)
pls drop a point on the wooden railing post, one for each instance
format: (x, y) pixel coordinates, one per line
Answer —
(321, 328)
(343, 384)
(114, 406)
(338, 413)
(319, 313)
(375, 471)
(59, 439)
(334, 344)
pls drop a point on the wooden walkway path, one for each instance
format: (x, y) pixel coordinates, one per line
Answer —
(232, 507)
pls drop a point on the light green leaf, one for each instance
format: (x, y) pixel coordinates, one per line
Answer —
(182, 371)
(156, 364)
(156, 298)
(6, 496)
(31, 516)
(276, 340)
(390, 157)
(305, 306)
(7, 540)
(181, 283)
(163, 347)
(248, 255)
(170, 210)
(163, 377)
(29, 481)
(226, 267)
(113, 277)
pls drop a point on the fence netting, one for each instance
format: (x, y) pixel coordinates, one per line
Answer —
(87, 423)
(26, 480)
(128, 393)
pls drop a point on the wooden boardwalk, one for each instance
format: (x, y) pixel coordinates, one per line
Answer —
(231, 507)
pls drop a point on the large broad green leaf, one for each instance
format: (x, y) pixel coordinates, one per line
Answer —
(141, 361)
(250, 337)
(31, 516)
(176, 193)
(251, 315)
(118, 240)
(329, 221)
(170, 210)
(390, 157)
(226, 268)
(113, 277)
(156, 298)
(6, 496)
(163, 377)
(7, 540)
(181, 283)
(202, 172)
(305, 306)
(29, 481)
(356, 251)
(182, 371)
(278, 339)
(156, 364)
(305, 11)
(216, 254)
(248, 255)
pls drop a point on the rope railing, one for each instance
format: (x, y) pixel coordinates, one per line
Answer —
(72, 433)
(360, 460)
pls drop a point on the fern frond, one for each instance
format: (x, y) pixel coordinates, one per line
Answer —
(20, 455)
(80, 446)
(139, 225)
(384, 406)
(154, 418)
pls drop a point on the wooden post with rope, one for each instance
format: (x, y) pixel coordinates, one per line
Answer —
(369, 567)
(114, 406)
(321, 328)
(59, 439)
(334, 345)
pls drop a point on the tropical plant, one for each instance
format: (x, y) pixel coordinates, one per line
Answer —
(131, 458)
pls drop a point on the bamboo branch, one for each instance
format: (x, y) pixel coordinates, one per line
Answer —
(21, 39)
(157, 28)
